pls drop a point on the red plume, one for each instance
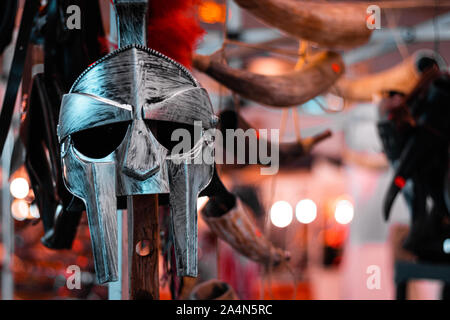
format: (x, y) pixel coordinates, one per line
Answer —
(174, 29)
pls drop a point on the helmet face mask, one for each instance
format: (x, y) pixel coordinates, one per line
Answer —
(114, 129)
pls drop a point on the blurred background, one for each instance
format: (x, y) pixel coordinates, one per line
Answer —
(325, 207)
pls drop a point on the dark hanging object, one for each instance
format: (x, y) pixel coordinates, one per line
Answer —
(222, 200)
(42, 161)
(415, 131)
(288, 152)
(8, 11)
(67, 53)
(250, 197)
(15, 75)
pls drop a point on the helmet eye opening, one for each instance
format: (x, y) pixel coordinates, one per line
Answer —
(99, 142)
(165, 133)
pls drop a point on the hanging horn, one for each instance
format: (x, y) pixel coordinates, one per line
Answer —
(236, 228)
(287, 90)
(225, 215)
(401, 78)
(330, 25)
(288, 152)
(213, 290)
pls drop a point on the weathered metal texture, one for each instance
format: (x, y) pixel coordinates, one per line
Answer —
(131, 85)
(87, 111)
(131, 20)
(87, 180)
(134, 75)
(183, 208)
(286, 90)
(185, 106)
(236, 229)
(402, 78)
(341, 24)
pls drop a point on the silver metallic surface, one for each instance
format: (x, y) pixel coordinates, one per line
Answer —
(131, 85)
(131, 19)
(186, 181)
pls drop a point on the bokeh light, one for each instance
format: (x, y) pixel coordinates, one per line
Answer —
(281, 214)
(306, 211)
(19, 188)
(20, 209)
(212, 12)
(201, 202)
(344, 212)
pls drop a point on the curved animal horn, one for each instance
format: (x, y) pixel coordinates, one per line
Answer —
(287, 90)
(288, 152)
(330, 25)
(213, 290)
(402, 78)
(225, 215)
(236, 229)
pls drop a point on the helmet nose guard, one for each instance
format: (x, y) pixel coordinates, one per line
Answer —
(141, 161)
(135, 84)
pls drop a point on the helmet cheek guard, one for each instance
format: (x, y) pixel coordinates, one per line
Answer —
(121, 98)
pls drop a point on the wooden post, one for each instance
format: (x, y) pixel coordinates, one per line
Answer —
(143, 247)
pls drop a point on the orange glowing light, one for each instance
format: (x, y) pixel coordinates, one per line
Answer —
(335, 237)
(211, 12)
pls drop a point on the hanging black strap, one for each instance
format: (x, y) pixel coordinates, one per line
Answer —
(8, 11)
(15, 74)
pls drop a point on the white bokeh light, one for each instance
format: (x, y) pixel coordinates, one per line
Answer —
(281, 214)
(201, 202)
(306, 211)
(19, 188)
(20, 209)
(344, 212)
